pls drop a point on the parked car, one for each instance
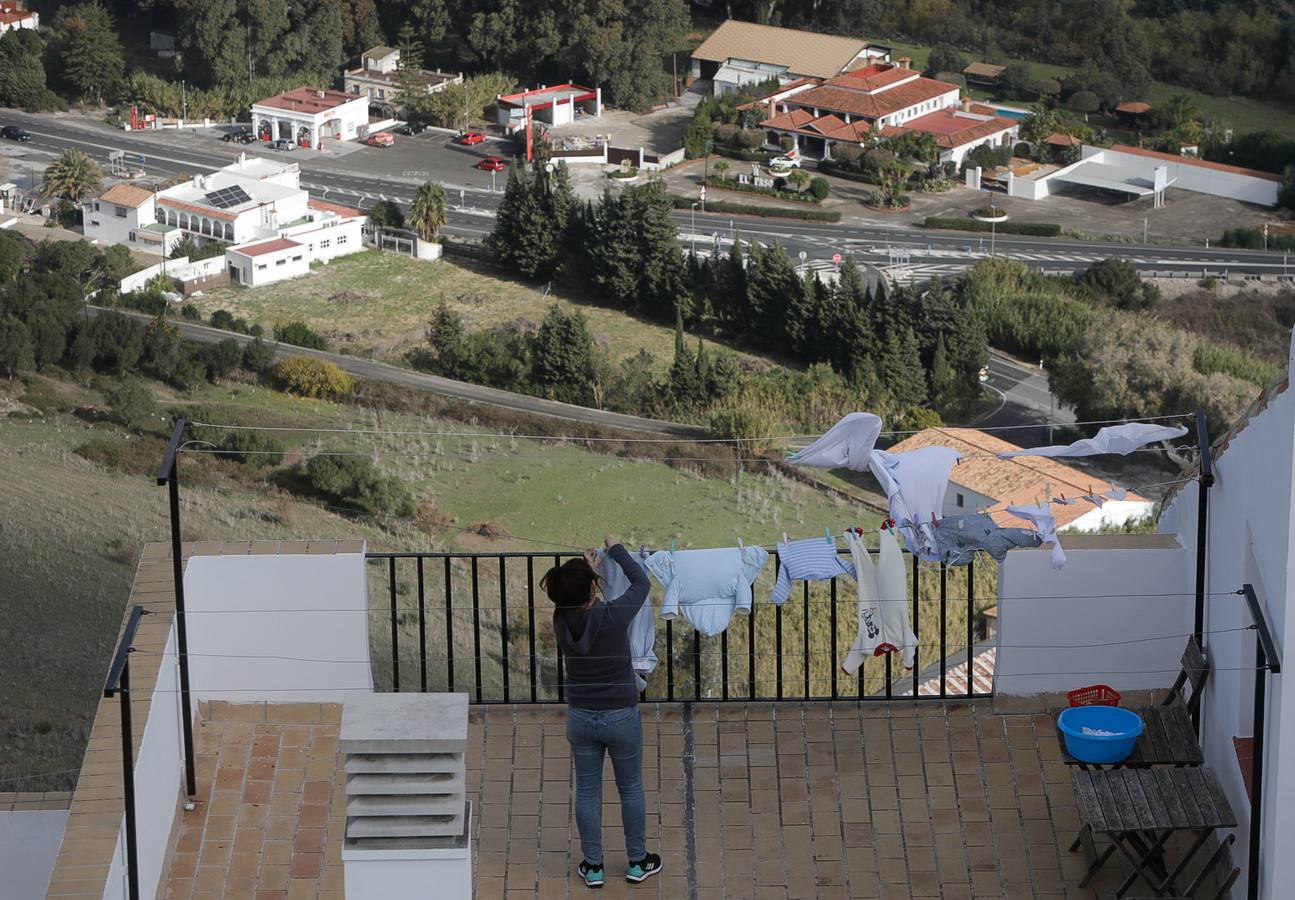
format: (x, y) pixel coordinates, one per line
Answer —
(236, 135)
(784, 162)
(492, 164)
(381, 139)
(470, 138)
(14, 133)
(411, 128)
(281, 145)
(247, 137)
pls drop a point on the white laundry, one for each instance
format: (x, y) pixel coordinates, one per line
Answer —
(847, 444)
(915, 482)
(1098, 732)
(883, 604)
(642, 633)
(1116, 494)
(1122, 439)
(1041, 517)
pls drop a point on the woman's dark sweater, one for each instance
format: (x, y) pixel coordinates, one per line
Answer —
(595, 643)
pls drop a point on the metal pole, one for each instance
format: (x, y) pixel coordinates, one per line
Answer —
(1257, 771)
(169, 475)
(694, 229)
(1202, 525)
(118, 683)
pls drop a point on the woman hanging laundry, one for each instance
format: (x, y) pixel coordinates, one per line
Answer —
(883, 603)
(602, 703)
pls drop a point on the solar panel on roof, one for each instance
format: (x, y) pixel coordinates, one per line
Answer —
(228, 197)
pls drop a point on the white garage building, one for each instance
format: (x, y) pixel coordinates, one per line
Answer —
(307, 116)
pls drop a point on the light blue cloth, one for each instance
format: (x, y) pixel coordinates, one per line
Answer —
(642, 633)
(812, 559)
(958, 538)
(707, 586)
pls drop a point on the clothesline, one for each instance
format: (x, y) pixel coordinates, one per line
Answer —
(660, 440)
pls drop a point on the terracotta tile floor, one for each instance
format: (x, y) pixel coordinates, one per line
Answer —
(816, 800)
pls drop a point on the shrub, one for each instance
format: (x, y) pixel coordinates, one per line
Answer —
(819, 188)
(133, 457)
(15, 347)
(251, 448)
(1118, 283)
(258, 356)
(725, 206)
(749, 138)
(1035, 229)
(1209, 358)
(131, 403)
(747, 155)
(387, 214)
(299, 334)
(1084, 102)
(726, 133)
(354, 482)
(222, 358)
(225, 321)
(1253, 239)
(732, 184)
(190, 313)
(306, 376)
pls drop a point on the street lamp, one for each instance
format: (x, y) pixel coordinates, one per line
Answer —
(694, 229)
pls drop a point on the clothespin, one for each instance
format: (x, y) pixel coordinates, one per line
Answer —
(827, 535)
(932, 517)
(784, 538)
(672, 545)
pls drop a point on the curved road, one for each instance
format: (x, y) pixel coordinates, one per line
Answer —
(446, 387)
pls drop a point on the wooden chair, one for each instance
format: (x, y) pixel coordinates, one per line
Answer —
(1222, 855)
(1195, 672)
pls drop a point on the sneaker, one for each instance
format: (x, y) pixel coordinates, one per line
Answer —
(644, 869)
(593, 875)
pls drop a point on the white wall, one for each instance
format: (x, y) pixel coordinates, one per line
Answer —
(159, 777)
(180, 268)
(327, 239)
(29, 842)
(1188, 177)
(1050, 622)
(1112, 512)
(316, 608)
(1250, 531)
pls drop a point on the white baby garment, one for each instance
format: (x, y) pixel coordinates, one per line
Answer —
(848, 443)
(883, 604)
(915, 482)
(642, 633)
(707, 586)
(813, 559)
(1041, 517)
(1122, 439)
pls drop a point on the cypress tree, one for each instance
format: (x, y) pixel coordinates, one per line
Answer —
(902, 371)
(943, 382)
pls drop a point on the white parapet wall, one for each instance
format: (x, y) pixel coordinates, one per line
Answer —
(1118, 614)
(279, 627)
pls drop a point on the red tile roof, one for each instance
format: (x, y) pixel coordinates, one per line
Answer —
(1057, 139)
(1198, 163)
(208, 211)
(1022, 479)
(270, 246)
(308, 100)
(855, 102)
(875, 77)
(127, 195)
(951, 129)
(325, 206)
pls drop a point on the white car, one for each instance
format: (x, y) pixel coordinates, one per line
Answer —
(784, 162)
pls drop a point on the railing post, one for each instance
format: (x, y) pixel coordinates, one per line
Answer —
(395, 626)
(1267, 659)
(169, 475)
(118, 683)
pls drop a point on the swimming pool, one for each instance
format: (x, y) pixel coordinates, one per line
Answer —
(1009, 112)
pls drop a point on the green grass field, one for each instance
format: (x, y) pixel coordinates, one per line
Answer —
(378, 305)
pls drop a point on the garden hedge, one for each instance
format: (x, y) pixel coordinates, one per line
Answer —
(1034, 229)
(747, 209)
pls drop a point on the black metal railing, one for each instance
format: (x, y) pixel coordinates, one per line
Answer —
(118, 685)
(484, 628)
(1267, 662)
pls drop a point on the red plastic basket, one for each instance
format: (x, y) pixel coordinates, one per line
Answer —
(1094, 695)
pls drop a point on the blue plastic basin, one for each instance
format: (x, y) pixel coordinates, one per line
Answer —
(1100, 749)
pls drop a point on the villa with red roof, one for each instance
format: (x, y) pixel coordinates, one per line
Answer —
(13, 15)
(308, 115)
(879, 101)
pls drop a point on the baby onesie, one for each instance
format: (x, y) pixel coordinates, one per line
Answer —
(915, 482)
(848, 443)
(707, 586)
(883, 604)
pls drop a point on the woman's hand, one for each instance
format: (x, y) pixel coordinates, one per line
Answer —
(591, 557)
(611, 541)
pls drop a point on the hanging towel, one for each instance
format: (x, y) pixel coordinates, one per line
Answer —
(915, 482)
(848, 443)
(883, 604)
(813, 559)
(1040, 516)
(642, 634)
(707, 586)
(958, 538)
(1122, 439)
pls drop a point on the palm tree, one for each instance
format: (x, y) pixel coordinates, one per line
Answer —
(72, 176)
(427, 212)
(721, 168)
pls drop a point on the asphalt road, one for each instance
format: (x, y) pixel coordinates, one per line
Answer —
(1024, 400)
(363, 176)
(459, 390)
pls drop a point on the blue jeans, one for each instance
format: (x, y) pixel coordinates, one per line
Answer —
(619, 732)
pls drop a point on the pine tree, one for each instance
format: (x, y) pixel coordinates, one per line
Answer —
(663, 275)
(772, 287)
(850, 327)
(703, 364)
(728, 298)
(902, 371)
(943, 383)
(562, 357)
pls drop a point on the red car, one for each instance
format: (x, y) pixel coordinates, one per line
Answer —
(492, 164)
(471, 137)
